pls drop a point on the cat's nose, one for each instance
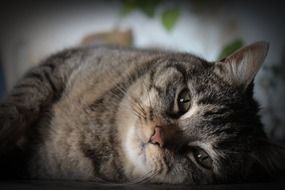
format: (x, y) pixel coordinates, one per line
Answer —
(157, 137)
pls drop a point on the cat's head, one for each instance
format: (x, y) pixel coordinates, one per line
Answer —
(190, 121)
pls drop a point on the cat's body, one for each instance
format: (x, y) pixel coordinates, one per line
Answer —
(91, 130)
(124, 115)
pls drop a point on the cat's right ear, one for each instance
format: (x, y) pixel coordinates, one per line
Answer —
(241, 67)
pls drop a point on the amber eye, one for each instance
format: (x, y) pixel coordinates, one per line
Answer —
(184, 101)
(202, 158)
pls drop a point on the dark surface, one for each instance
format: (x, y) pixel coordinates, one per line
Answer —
(2, 82)
(56, 185)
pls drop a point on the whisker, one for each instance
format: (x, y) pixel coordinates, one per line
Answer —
(122, 87)
(143, 179)
(141, 107)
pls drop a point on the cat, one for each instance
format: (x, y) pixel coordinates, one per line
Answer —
(130, 115)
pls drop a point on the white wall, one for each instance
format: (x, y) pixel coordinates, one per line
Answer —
(33, 34)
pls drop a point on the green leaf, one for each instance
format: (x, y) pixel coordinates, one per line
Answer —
(147, 6)
(230, 48)
(169, 18)
(128, 6)
(276, 70)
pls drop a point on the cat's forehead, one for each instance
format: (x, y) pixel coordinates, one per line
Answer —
(182, 63)
(194, 72)
(175, 70)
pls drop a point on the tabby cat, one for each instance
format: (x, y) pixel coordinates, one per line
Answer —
(127, 115)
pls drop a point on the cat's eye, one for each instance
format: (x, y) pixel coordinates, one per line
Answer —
(184, 101)
(202, 158)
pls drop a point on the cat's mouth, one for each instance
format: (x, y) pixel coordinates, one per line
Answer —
(151, 148)
(142, 146)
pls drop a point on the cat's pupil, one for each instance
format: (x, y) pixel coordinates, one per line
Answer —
(202, 158)
(184, 101)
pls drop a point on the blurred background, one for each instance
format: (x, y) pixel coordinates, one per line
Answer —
(31, 31)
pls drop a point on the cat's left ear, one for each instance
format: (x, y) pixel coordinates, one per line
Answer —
(241, 67)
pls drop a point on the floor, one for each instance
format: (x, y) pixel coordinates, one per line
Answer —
(70, 185)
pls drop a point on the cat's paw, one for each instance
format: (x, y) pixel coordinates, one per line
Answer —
(11, 124)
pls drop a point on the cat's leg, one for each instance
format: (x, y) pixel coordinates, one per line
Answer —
(35, 92)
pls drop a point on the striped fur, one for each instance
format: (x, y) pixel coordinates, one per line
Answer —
(89, 114)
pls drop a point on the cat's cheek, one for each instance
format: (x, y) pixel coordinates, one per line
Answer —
(155, 158)
(135, 151)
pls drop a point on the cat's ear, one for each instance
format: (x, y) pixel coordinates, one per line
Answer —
(241, 67)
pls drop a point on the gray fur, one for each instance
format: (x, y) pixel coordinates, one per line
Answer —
(89, 113)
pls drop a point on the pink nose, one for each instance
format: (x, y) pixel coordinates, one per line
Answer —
(157, 137)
